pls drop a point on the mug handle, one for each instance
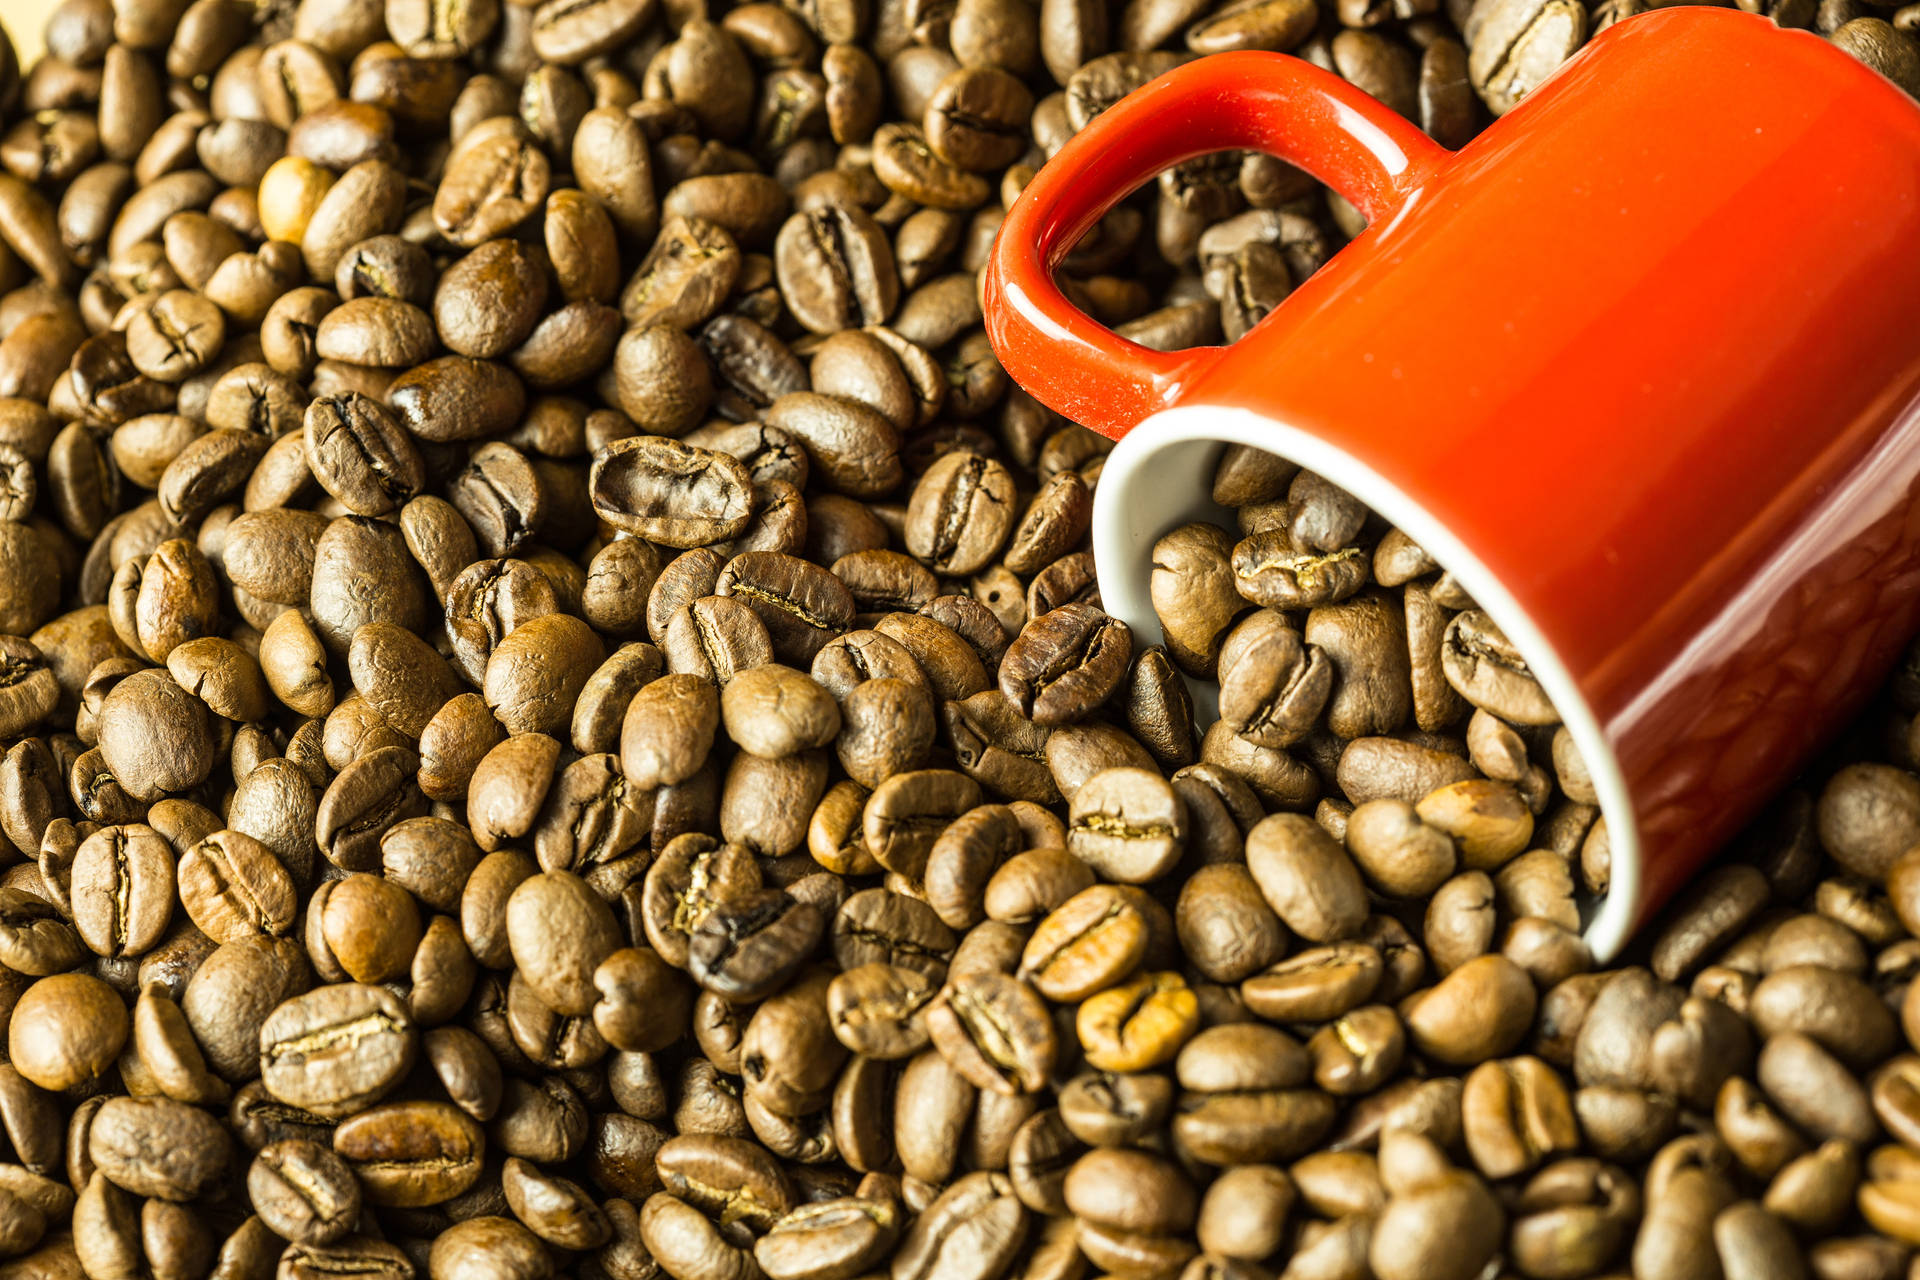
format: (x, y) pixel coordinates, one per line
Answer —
(1252, 101)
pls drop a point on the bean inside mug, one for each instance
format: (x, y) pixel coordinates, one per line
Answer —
(556, 717)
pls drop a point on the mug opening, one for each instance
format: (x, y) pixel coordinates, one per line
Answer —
(1160, 476)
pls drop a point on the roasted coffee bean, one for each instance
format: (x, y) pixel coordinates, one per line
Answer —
(121, 886)
(157, 1147)
(337, 1048)
(774, 711)
(367, 797)
(671, 493)
(360, 454)
(1397, 850)
(164, 1043)
(592, 818)
(1091, 942)
(1483, 665)
(495, 178)
(34, 939)
(502, 497)
(1225, 925)
(887, 728)
(836, 269)
(1273, 686)
(714, 638)
(533, 676)
(844, 1233)
(65, 1030)
(1476, 1012)
(303, 1192)
(961, 513)
(996, 1032)
(559, 931)
(1516, 1114)
(154, 735)
(409, 1154)
(232, 885)
(880, 926)
(643, 1006)
(802, 605)
(906, 813)
(1138, 1024)
(1065, 663)
(979, 1207)
(360, 1255)
(668, 730)
(1128, 825)
(977, 118)
(878, 1010)
(174, 335)
(749, 945)
(1306, 877)
(1515, 46)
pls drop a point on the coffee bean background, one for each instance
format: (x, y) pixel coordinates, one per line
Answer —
(556, 719)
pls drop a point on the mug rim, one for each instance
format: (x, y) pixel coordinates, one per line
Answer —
(1145, 474)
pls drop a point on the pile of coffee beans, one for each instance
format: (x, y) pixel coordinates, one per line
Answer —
(556, 720)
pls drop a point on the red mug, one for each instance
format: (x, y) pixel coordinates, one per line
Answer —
(1640, 365)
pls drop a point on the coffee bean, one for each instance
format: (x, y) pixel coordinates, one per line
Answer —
(359, 1255)
(977, 118)
(1128, 825)
(879, 926)
(232, 885)
(1065, 663)
(775, 711)
(979, 1202)
(1488, 672)
(668, 730)
(829, 1236)
(962, 510)
(995, 1031)
(1453, 1203)
(1306, 877)
(748, 946)
(155, 736)
(836, 269)
(802, 605)
(1516, 1114)
(1397, 850)
(494, 179)
(335, 1049)
(533, 676)
(175, 335)
(34, 939)
(1476, 1012)
(408, 1154)
(1139, 1024)
(304, 1192)
(122, 889)
(1831, 1007)
(157, 1147)
(360, 454)
(560, 931)
(363, 801)
(1515, 46)
(671, 493)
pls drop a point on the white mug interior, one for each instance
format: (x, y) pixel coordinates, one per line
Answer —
(1160, 476)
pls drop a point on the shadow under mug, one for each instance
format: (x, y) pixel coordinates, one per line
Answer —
(1640, 365)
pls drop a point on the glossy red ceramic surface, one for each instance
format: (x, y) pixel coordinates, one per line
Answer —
(1649, 346)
